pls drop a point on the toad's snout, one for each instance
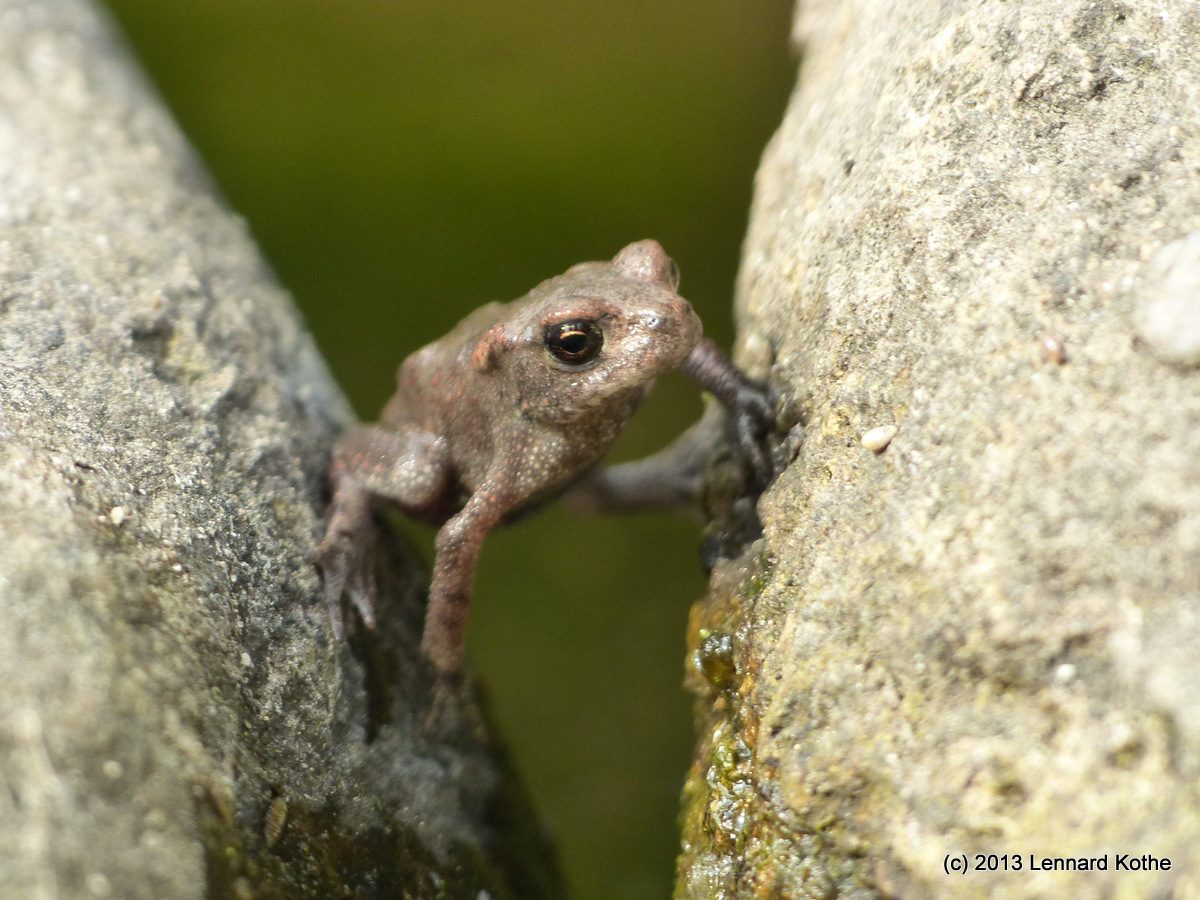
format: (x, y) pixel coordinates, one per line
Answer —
(674, 318)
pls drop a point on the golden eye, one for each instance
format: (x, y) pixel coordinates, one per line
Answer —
(574, 342)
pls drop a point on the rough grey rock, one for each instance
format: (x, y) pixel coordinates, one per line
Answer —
(975, 225)
(175, 720)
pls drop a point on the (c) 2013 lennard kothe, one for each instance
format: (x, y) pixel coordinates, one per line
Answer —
(1117, 862)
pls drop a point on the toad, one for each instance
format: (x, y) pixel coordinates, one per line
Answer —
(516, 406)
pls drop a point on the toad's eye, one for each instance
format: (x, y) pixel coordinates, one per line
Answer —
(574, 342)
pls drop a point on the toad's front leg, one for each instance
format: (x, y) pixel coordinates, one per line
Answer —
(458, 544)
(747, 402)
(409, 466)
(672, 477)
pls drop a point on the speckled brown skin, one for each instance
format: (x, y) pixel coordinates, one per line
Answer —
(496, 418)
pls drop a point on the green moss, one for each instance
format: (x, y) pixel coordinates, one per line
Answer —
(735, 841)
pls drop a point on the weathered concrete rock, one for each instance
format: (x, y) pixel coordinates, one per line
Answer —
(977, 224)
(175, 720)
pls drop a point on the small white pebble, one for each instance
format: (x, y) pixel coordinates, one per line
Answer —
(1053, 349)
(112, 769)
(117, 515)
(1064, 673)
(877, 439)
(246, 660)
(1122, 737)
(1168, 314)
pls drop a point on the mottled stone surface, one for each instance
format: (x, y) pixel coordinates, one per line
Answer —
(982, 639)
(175, 720)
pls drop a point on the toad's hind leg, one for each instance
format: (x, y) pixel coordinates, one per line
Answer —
(671, 478)
(408, 466)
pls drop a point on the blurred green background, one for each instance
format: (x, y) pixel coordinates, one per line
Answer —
(401, 163)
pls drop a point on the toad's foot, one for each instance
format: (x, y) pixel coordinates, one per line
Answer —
(346, 556)
(452, 692)
(753, 421)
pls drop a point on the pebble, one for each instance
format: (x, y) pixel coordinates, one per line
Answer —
(1053, 349)
(877, 439)
(1168, 317)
